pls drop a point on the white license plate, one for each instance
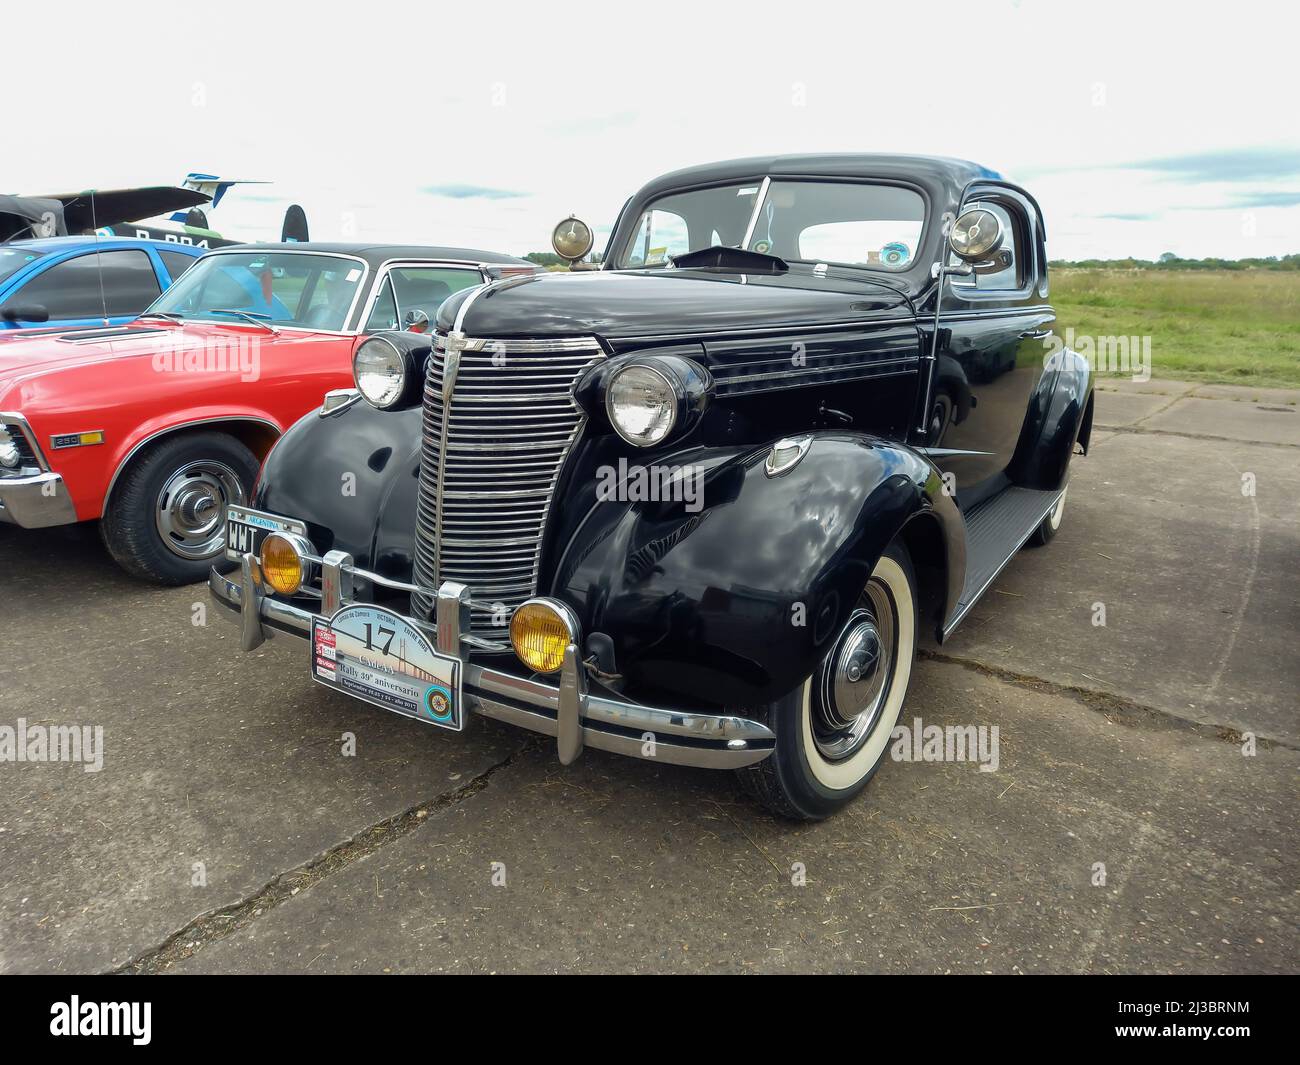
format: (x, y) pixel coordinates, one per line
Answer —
(246, 529)
(380, 657)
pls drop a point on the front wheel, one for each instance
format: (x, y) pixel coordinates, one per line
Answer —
(166, 520)
(833, 731)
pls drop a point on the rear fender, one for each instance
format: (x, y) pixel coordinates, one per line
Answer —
(1059, 411)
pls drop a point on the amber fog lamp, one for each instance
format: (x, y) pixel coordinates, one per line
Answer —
(975, 235)
(540, 631)
(283, 565)
(572, 239)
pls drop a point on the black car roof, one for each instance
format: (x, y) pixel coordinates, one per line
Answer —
(375, 254)
(926, 169)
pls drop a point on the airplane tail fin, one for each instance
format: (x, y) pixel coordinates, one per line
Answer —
(212, 186)
(294, 230)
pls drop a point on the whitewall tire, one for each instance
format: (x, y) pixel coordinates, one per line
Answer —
(833, 732)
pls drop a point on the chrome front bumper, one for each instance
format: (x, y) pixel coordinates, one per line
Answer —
(36, 501)
(576, 717)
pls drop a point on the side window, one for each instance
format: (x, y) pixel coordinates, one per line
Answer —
(71, 289)
(1014, 258)
(660, 236)
(417, 288)
(177, 262)
(384, 316)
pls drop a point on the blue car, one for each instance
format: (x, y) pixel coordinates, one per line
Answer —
(65, 282)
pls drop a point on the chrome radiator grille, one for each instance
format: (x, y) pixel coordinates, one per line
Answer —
(490, 458)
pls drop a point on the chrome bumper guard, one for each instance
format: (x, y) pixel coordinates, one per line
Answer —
(576, 717)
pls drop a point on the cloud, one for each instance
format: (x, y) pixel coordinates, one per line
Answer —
(1249, 164)
(1280, 198)
(472, 192)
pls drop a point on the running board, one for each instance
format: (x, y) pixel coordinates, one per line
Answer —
(995, 531)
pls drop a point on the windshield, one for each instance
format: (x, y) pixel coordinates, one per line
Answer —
(14, 259)
(850, 224)
(285, 288)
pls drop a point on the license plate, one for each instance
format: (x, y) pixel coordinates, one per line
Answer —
(246, 529)
(380, 657)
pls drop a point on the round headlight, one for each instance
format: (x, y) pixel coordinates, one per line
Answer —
(379, 370)
(9, 456)
(540, 631)
(283, 565)
(642, 404)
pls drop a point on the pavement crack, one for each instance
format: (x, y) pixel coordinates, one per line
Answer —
(1116, 707)
(1143, 430)
(214, 925)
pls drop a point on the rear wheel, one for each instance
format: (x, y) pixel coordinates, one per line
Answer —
(1048, 527)
(833, 731)
(166, 520)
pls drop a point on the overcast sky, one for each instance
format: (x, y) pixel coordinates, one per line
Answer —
(1142, 128)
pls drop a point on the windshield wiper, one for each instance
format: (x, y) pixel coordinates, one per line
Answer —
(160, 314)
(250, 316)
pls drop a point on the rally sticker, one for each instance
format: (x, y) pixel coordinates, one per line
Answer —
(381, 657)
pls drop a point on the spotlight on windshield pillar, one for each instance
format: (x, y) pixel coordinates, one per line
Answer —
(572, 239)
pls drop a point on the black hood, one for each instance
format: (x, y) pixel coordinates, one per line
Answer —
(631, 303)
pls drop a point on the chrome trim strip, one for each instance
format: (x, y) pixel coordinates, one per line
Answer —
(759, 200)
(852, 372)
(777, 331)
(509, 346)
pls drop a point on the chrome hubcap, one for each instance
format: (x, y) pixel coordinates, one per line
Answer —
(852, 685)
(191, 512)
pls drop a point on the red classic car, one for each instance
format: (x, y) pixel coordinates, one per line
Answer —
(157, 425)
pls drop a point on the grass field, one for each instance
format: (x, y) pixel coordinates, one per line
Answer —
(1226, 327)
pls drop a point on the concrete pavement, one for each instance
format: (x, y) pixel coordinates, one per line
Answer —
(1124, 830)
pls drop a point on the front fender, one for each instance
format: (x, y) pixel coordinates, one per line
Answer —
(733, 599)
(352, 476)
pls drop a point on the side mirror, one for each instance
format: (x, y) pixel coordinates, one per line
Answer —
(415, 321)
(975, 236)
(572, 239)
(31, 312)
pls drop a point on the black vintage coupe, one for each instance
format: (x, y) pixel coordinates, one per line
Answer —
(695, 503)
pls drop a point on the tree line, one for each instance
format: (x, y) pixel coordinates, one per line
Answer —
(1170, 261)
